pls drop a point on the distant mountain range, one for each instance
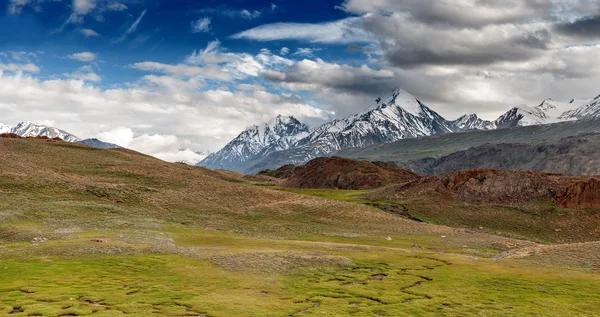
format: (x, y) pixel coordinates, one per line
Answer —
(393, 117)
(30, 129)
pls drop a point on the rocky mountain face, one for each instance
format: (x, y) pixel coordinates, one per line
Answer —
(470, 122)
(30, 129)
(255, 142)
(576, 155)
(98, 144)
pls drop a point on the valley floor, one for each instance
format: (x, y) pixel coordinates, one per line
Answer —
(178, 271)
(86, 232)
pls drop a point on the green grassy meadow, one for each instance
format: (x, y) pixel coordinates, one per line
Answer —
(86, 232)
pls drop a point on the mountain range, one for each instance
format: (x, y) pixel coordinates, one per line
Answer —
(392, 117)
(27, 129)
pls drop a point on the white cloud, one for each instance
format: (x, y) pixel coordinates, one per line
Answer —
(211, 71)
(306, 51)
(121, 136)
(12, 67)
(201, 25)
(89, 33)
(83, 56)
(115, 6)
(240, 65)
(84, 73)
(343, 31)
(284, 51)
(132, 116)
(183, 155)
(16, 6)
(133, 27)
(251, 87)
(83, 7)
(246, 14)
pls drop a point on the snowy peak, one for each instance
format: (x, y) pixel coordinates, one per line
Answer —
(288, 126)
(257, 141)
(402, 100)
(31, 129)
(589, 110)
(471, 122)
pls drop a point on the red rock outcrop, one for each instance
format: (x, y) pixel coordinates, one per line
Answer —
(342, 173)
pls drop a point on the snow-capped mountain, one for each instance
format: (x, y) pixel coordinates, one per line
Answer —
(549, 111)
(471, 122)
(393, 117)
(257, 141)
(30, 129)
(396, 116)
(589, 110)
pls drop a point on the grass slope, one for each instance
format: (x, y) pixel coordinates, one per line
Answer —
(118, 233)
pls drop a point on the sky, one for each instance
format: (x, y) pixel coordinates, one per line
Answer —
(159, 76)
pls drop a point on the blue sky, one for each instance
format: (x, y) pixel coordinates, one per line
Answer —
(157, 76)
(164, 33)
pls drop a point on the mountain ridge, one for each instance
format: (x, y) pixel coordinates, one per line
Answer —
(394, 117)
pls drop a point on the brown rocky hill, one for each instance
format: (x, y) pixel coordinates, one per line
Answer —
(342, 173)
(509, 188)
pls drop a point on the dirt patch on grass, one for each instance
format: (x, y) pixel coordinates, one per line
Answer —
(278, 262)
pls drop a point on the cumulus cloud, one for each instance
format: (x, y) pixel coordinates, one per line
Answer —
(84, 73)
(12, 67)
(157, 114)
(83, 56)
(319, 75)
(201, 25)
(456, 55)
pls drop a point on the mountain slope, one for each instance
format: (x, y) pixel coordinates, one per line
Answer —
(30, 129)
(589, 110)
(436, 146)
(98, 144)
(258, 140)
(577, 155)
